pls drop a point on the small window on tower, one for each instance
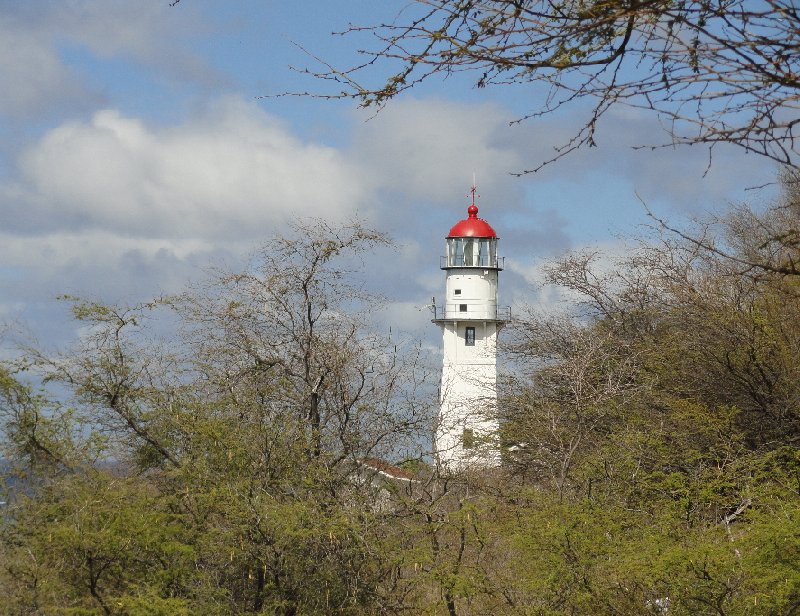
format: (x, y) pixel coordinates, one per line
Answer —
(462, 307)
(457, 291)
(469, 336)
(468, 438)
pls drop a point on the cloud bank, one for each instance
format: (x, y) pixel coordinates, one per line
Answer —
(117, 205)
(231, 173)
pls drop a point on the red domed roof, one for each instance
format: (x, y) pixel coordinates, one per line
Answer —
(472, 226)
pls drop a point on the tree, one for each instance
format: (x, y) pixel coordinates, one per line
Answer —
(576, 380)
(202, 459)
(712, 71)
(754, 244)
(213, 462)
(687, 462)
(299, 318)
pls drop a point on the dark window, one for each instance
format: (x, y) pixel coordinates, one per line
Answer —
(468, 438)
(457, 291)
(469, 336)
(462, 307)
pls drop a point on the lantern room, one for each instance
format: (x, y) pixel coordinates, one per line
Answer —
(471, 243)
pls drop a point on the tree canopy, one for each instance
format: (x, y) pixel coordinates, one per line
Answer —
(650, 461)
(713, 71)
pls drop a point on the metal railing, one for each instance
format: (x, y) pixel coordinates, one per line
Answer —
(480, 261)
(472, 313)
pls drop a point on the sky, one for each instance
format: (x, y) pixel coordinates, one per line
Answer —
(142, 144)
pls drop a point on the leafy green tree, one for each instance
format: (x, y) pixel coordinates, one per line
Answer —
(672, 442)
(211, 469)
(220, 468)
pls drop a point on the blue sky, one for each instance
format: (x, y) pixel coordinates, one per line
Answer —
(137, 151)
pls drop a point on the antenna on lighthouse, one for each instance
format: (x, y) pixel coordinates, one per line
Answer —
(474, 188)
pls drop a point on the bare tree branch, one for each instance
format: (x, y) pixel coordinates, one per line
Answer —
(714, 71)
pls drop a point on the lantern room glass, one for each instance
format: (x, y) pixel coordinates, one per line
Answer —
(472, 252)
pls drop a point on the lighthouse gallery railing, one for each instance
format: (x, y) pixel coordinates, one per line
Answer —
(482, 260)
(454, 312)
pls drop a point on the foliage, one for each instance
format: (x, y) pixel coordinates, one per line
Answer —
(655, 466)
(210, 471)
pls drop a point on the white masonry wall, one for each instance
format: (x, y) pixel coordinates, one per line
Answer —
(468, 394)
(474, 288)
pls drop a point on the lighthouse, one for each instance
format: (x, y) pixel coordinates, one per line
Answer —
(466, 434)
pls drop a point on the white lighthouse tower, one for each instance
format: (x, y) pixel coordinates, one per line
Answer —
(470, 321)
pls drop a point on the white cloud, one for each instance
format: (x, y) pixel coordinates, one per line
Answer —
(114, 203)
(36, 269)
(82, 249)
(118, 208)
(97, 265)
(629, 152)
(233, 172)
(112, 27)
(409, 317)
(32, 74)
(33, 37)
(429, 149)
(149, 32)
